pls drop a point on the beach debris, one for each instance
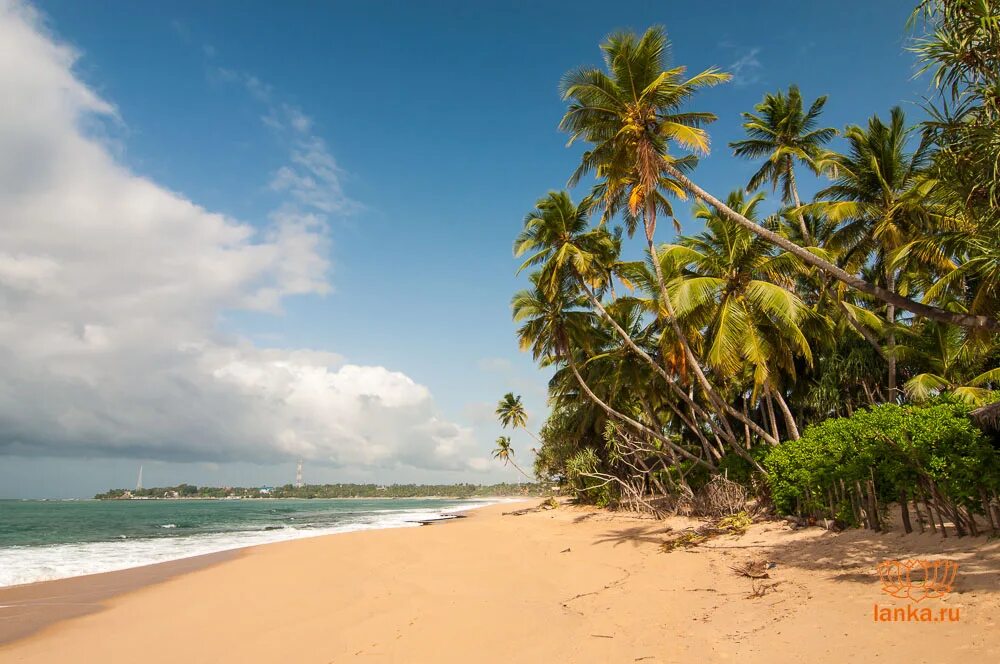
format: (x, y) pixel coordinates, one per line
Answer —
(754, 569)
(549, 503)
(685, 540)
(438, 519)
(721, 497)
(735, 524)
(603, 636)
(758, 588)
(566, 550)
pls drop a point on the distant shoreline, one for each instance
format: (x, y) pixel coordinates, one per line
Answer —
(460, 491)
(144, 498)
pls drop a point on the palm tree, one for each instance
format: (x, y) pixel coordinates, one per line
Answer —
(558, 329)
(510, 411)
(783, 134)
(505, 453)
(951, 363)
(960, 47)
(879, 197)
(745, 296)
(630, 114)
(557, 236)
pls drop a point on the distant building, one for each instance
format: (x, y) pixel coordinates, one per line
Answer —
(266, 490)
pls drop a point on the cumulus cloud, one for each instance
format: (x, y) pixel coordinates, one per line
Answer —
(111, 287)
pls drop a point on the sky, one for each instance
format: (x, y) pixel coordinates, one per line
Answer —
(234, 234)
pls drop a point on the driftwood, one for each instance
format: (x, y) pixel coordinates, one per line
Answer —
(753, 569)
(548, 504)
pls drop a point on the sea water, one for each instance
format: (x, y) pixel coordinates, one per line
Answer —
(42, 540)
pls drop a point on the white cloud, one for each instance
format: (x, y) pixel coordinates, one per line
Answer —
(311, 177)
(111, 287)
(747, 69)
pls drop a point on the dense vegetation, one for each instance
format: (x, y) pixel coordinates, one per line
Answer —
(797, 345)
(330, 491)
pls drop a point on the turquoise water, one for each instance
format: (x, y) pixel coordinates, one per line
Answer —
(41, 540)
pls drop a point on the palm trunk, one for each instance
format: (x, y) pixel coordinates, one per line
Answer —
(890, 318)
(520, 470)
(692, 426)
(643, 354)
(887, 296)
(530, 433)
(770, 415)
(651, 414)
(862, 330)
(721, 406)
(793, 429)
(798, 204)
(746, 429)
(628, 420)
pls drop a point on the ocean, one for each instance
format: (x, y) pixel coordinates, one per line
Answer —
(42, 540)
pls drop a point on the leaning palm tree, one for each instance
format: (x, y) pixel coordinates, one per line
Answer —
(510, 410)
(505, 453)
(744, 294)
(782, 133)
(881, 199)
(573, 256)
(632, 114)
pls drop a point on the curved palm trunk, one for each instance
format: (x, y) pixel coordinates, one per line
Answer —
(720, 404)
(532, 434)
(793, 429)
(770, 413)
(887, 296)
(513, 463)
(627, 338)
(628, 420)
(798, 204)
(862, 330)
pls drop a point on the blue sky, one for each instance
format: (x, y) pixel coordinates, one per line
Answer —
(441, 119)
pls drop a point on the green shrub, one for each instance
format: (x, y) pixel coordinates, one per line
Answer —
(589, 489)
(894, 446)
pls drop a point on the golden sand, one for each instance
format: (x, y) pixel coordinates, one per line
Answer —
(566, 585)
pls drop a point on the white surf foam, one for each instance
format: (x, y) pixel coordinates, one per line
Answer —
(30, 564)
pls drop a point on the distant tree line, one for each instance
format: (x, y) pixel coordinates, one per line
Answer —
(329, 491)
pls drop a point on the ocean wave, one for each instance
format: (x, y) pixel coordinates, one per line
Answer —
(30, 564)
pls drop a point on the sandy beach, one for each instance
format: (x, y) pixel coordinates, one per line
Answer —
(571, 584)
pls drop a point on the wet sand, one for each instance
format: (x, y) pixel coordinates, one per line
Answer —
(25, 609)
